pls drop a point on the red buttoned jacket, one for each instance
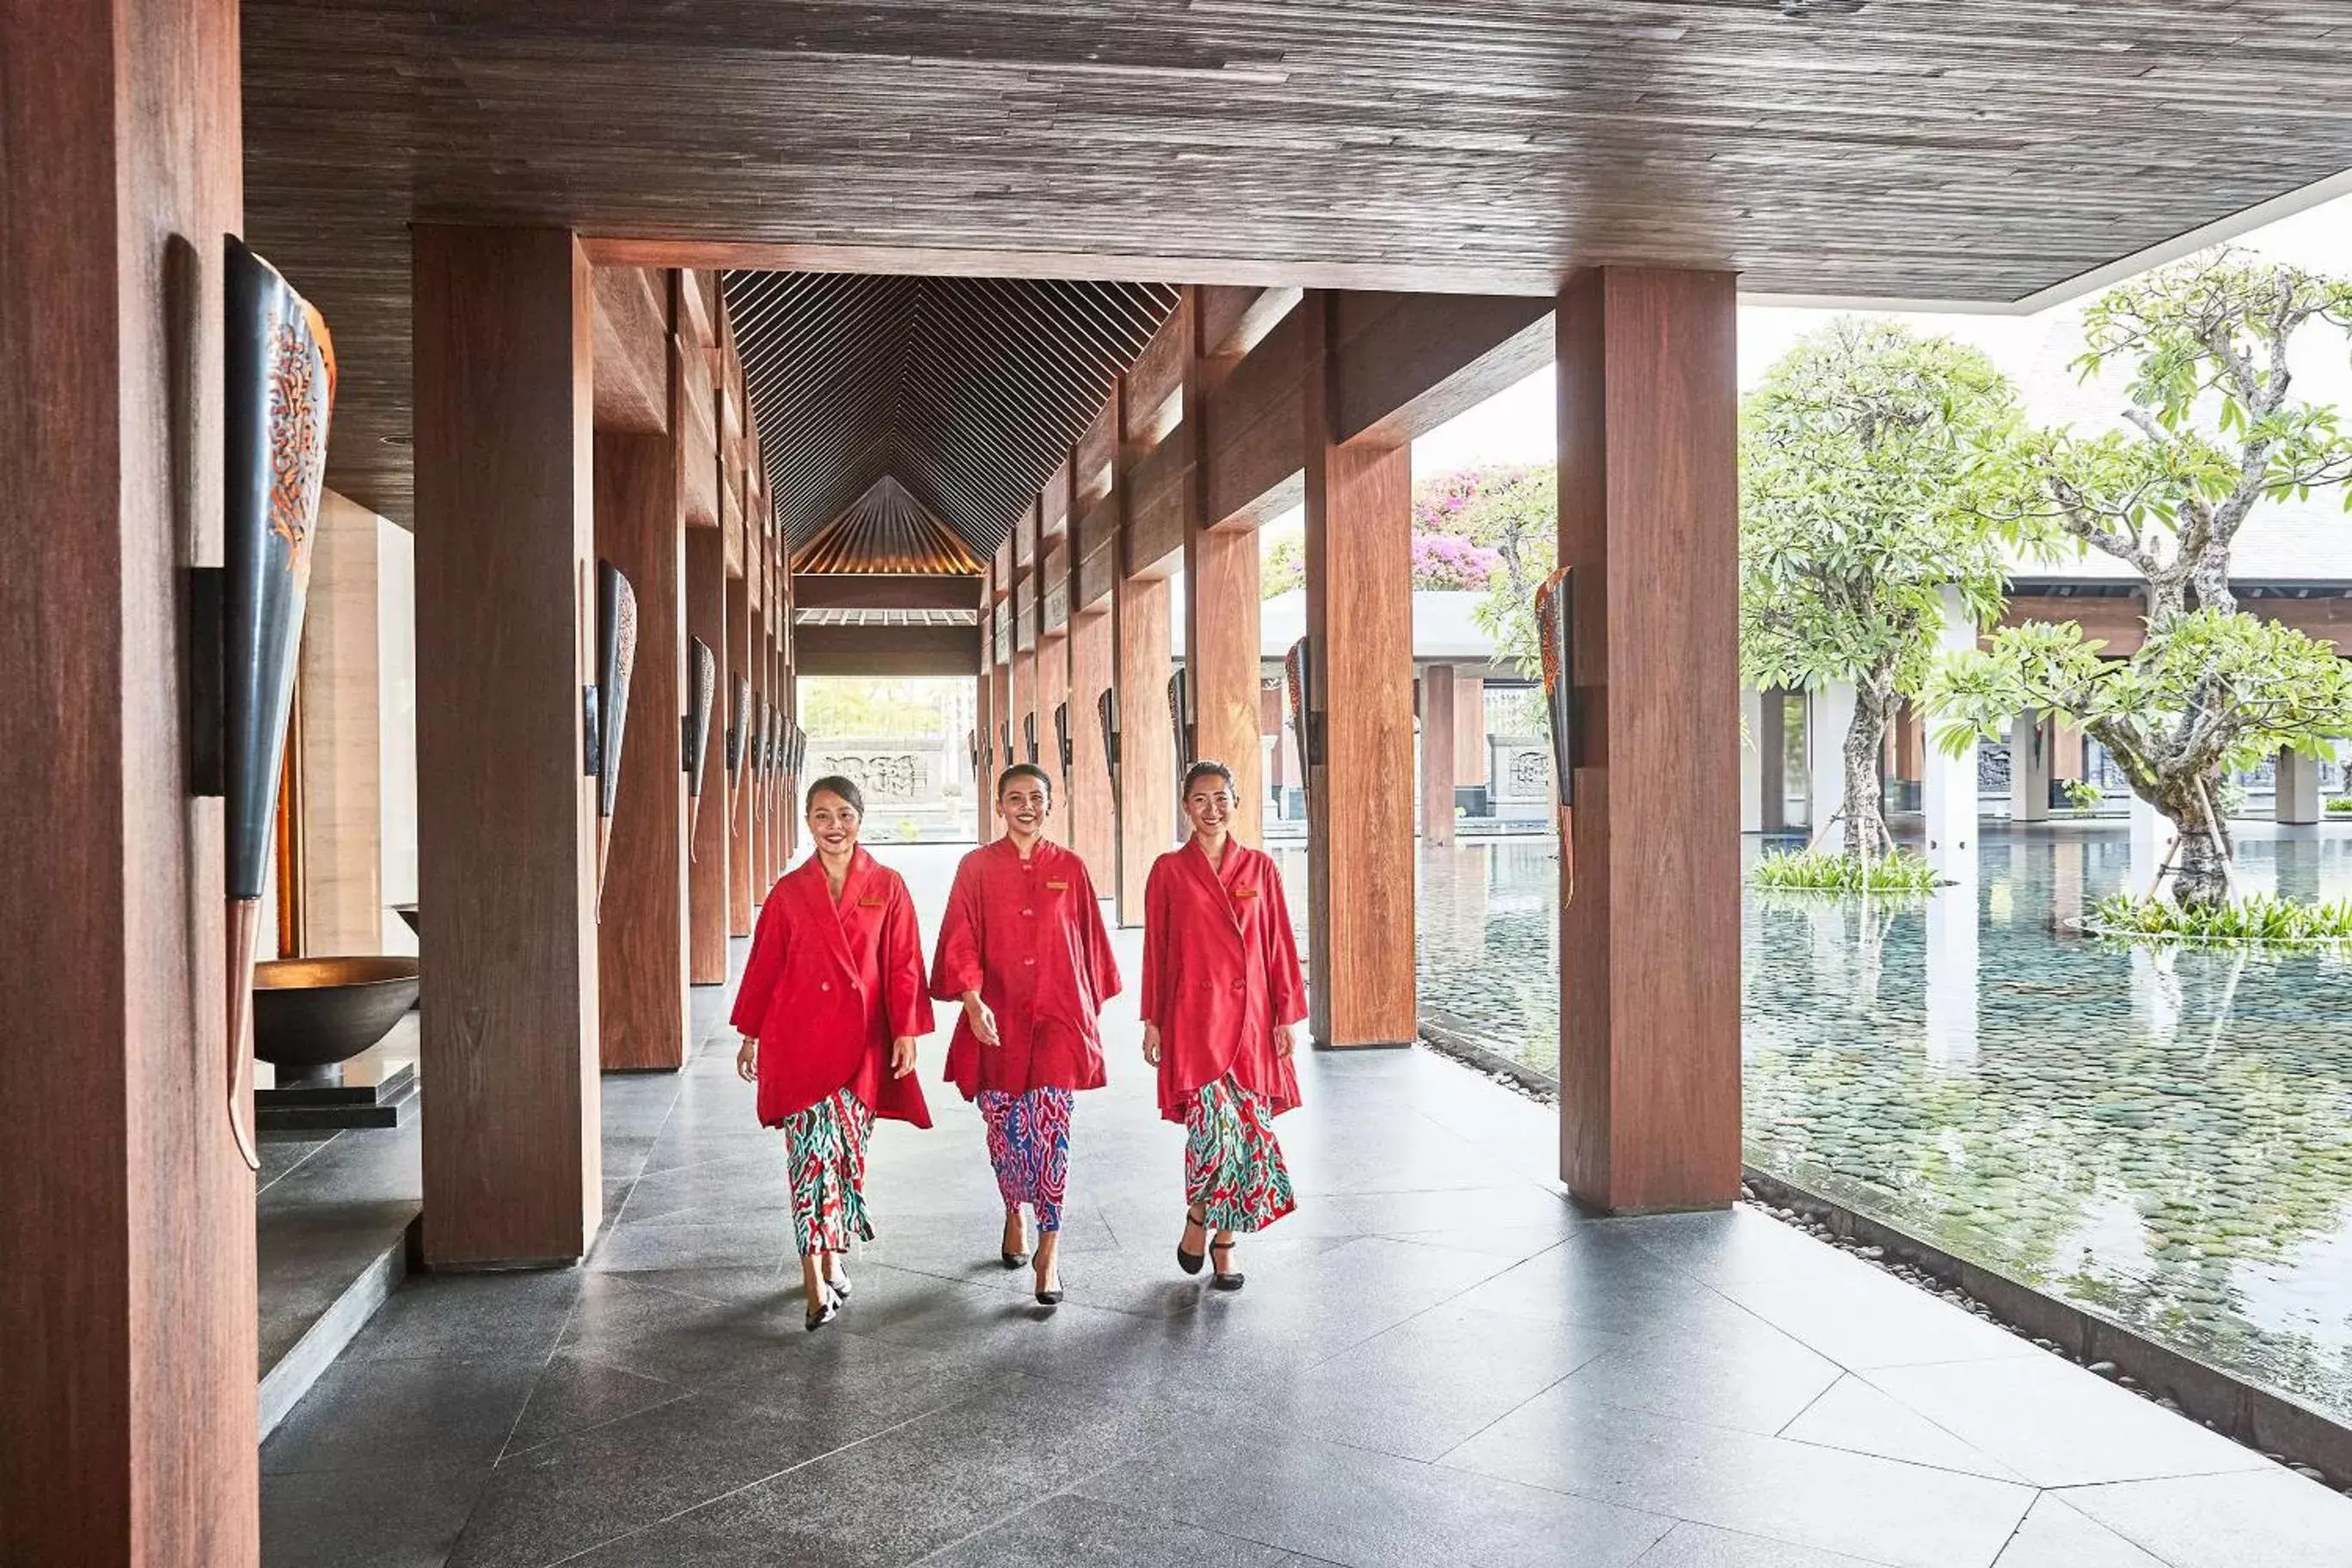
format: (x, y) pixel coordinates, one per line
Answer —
(829, 986)
(1028, 936)
(1220, 972)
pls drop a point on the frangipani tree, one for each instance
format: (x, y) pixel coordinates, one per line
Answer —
(2211, 690)
(2212, 429)
(1862, 496)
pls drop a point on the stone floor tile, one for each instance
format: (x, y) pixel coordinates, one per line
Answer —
(1346, 1505)
(398, 1516)
(1724, 1368)
(1866, 1319)
(2268, 1517)
(1704, 1546)
(1862, 1419)
(1075, 1532)
(470, 1317)
(2058, 1425)
(1902, 1514)
(2056, 1535)
(367, 1415)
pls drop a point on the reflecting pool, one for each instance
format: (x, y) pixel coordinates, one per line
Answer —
(2166, 1138)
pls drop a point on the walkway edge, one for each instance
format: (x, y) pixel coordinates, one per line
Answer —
(284, 1385)
(2261, 1418)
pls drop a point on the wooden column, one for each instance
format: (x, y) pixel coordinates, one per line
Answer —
(708, 873)
(1053, 690)
(1359, 807)
(755, 774)
(1220, 598)
(1650, 928)
(1025, 722)
(505, 618)
(1470, 762)
(126, 1214)
(742, 848)
(1146, 740)
(641, 924)
(1438, 753)
(1092, 828)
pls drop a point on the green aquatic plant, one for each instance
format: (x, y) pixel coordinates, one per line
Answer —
(2340, 807)
(2260, 918)
(1819, 871)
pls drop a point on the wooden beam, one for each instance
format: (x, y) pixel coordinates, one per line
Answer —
(697, 447)
(1650, 918)
(1251, 429)
(709, 871)
(1359, 618)
(632, 365)
(1408, 363)
(904, 651)
(127, 1314)
(641, 926)
(1233, 320)
(878, 590)
(504, 618)
(1437, 752)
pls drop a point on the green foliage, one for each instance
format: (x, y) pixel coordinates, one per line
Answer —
(2083, 794)
(2214, 426)
(2340, 807)
(1513, 509)
(1283, 567)
(2212, 690)
(2260, 919)
(868, 709)
(1817, 871)
(1862, 496)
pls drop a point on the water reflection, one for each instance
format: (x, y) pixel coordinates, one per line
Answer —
(2165, 1136)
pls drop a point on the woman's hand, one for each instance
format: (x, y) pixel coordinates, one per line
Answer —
(1286, 1039)
(1151, 1043)
(983, 1021)
(747, 1061)
(902, 1056)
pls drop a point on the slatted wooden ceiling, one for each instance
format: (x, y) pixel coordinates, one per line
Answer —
(886, 532)
(1922, 148)
(967, 391)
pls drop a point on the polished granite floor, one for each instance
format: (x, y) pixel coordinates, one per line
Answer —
(1436, 1361)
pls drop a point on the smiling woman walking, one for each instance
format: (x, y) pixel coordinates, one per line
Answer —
(831, 1005)
(1221, 1000)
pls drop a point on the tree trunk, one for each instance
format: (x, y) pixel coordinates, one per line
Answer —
(1866, 837)
(2200, 866)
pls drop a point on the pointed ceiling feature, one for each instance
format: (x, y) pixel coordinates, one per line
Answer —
(965, 391)
(887, 531)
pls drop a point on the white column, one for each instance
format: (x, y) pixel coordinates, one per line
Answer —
(2029, 769)
(2298, 788)
(2151, 842)
(1948, 795)
(1829, 714)
(1751, 761)
(1952, 976)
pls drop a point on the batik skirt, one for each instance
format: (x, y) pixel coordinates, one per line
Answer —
(825, 1150)
(1232, 1165)
(1029, 1144)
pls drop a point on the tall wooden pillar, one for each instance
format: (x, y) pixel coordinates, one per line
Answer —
(1026, 725)
(1147, 738)
(126, 1213)
(506, 844)
(1470, 762)
(1438, 753)
(640, 921)
(1650, 927)
(1360, 811)
(1092, 829)
(757, 785)
(1221, 603)
(707, 871)
(742, 849)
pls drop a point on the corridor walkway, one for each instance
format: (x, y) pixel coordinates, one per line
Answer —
(1435, 1361)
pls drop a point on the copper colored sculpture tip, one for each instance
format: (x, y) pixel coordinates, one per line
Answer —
(243, 921)
(693, 816)
(603, 854)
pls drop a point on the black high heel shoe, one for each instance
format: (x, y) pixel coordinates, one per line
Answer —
(1189, 1262)
(1224, 1280)
(1049, 1297)
(827, 1311)
(1013, 1260)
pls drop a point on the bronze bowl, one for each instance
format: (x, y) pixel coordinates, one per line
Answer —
(313, 1015)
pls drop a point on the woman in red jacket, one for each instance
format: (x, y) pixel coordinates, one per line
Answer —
(1023, 948)
(1222, 1000)
(831, 1005)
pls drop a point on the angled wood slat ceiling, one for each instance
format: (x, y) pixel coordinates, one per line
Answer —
(886, 532)
(962, 391)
